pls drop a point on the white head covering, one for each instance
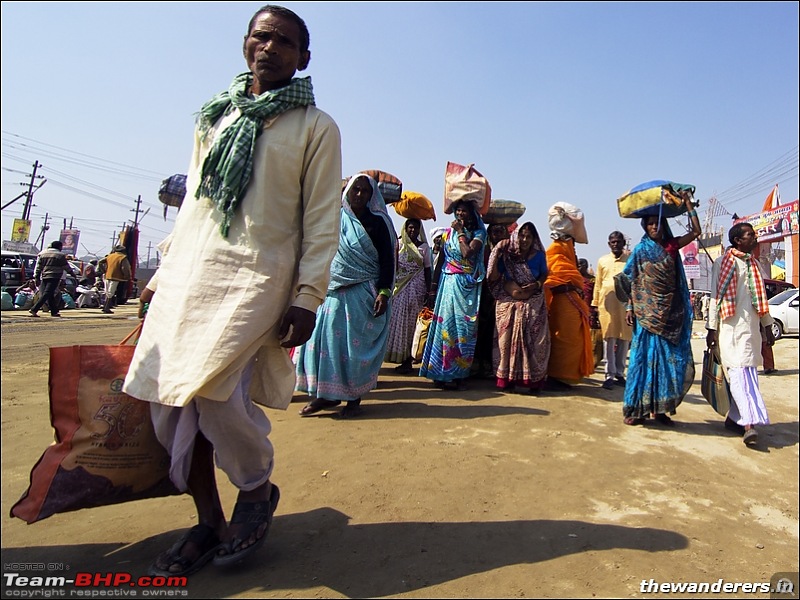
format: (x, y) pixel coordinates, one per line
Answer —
(566, 220)
(436, 232)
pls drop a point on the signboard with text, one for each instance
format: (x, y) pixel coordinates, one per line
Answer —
(691, 264)
(775, 224)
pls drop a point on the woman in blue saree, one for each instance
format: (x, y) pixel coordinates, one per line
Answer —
(451, 338)
(342, 359)
(661, 367)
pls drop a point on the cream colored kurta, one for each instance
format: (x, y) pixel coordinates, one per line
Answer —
(220, 300)
(738, 336)
(611, 310)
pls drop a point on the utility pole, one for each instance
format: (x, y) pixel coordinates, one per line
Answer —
(45, 227)
(26, 210)
(137, 210)
(149, 244)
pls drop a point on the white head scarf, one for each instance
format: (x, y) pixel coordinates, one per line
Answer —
(436, 232)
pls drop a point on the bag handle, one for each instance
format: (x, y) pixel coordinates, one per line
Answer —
(136, 331)
(718, 358)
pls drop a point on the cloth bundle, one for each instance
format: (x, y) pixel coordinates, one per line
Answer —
(566, 219)
(413, 205)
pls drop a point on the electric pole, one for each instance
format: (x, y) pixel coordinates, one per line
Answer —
(45, 227)
(26, 210)
(137, 210)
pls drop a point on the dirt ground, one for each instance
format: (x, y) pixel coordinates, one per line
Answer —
(434, 494)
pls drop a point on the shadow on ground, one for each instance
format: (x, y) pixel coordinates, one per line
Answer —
(320, 548)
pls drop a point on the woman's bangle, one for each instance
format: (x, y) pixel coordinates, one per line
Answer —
(692, 213)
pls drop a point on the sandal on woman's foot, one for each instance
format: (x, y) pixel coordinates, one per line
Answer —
(251, 515)
(205, 540)
(633, 421)
(350, 410)
(318, 404)
(664, 420)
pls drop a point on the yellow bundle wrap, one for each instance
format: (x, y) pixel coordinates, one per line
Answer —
(413, 205)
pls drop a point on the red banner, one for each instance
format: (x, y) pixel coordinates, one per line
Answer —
(775, 224)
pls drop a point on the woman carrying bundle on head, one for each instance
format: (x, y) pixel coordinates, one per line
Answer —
(410, 293)
(450, 347)
(342, 359)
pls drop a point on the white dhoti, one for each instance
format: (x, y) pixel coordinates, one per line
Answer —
(237, 429)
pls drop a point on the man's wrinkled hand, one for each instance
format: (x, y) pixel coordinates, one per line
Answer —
(300, 323)
(711, 338)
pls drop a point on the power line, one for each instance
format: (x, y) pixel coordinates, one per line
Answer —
(153, 174)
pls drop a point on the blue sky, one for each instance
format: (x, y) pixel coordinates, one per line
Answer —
(573, 102)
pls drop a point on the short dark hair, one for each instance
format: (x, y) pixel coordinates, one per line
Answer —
(282, 11)
(737, 231)
(616, 234)
(56, 244)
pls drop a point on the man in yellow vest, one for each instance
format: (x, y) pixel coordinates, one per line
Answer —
(116, 268)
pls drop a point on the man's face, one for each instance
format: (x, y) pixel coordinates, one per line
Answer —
(617, 245)
(272, 51)
(748, 241)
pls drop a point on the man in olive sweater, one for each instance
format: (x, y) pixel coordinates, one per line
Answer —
(50, 267)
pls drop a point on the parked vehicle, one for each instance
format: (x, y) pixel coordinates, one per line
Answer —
(784, 309)
(17, 268)
(776, 286)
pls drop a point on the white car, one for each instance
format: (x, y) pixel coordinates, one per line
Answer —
(784, 309)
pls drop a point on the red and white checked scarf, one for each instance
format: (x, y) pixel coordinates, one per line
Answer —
(726, 287)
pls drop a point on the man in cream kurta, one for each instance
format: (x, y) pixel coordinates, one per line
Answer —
(240, 283)
(738, 336)
(617, 333)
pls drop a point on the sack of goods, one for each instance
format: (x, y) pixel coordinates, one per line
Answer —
(654, 198)
(391, 187)
(466, 184)
(413, 205)
(503, 212)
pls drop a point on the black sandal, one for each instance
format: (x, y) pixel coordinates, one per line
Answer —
(350, 410)
(204, 537)
(664, 420)
(253, 515)
(318, 404)
(403, 369)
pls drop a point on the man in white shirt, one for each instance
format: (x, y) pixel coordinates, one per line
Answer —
(738, 312)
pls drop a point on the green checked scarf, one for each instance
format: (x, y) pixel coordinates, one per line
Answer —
(227, 168)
